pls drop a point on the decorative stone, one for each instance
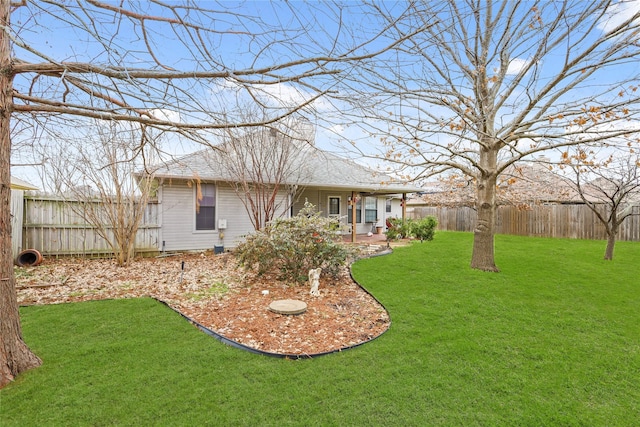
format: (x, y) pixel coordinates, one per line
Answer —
(288, 306)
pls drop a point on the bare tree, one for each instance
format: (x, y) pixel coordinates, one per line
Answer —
(170, 66)
(609, 187)
(522, 185)
(260, 163)
(489, 84)
(98, 169)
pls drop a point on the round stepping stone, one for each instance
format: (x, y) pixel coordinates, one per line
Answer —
(288, 306)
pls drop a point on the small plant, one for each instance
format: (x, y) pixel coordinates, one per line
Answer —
(22, 272)
(126, 285)
(218, 290)
(293, 246)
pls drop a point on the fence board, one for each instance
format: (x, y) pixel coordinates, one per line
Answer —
(560, 221)
(17, 211)
(55, 227)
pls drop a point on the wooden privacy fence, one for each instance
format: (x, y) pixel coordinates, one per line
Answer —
(55, 227)
(562, 221)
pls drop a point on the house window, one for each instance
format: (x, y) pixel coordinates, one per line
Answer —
(334, 206)
(370, 209)
(387, 206)
(358, 212)
(206, 207)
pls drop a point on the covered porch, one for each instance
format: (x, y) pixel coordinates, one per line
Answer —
(378, 228)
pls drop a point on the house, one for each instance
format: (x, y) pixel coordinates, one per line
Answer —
(201, 207)
(18, 187)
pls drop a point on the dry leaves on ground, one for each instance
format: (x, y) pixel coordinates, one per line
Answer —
(214, 292)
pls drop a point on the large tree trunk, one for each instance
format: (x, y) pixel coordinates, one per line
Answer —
(611, 242)
(15, 356)
(483, 247)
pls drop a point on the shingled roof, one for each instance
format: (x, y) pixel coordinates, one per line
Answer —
(18, 184)
(314, 168)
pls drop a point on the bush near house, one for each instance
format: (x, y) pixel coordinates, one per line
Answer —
(423, 229)
(293, 246)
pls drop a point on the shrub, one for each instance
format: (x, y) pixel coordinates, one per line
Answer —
(399, 229)
(393, 231)
(293, 246)
(425, 229)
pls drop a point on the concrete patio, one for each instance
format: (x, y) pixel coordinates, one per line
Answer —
(375, 239)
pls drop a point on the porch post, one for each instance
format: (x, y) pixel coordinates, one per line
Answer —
(353, 203)
(404, 207)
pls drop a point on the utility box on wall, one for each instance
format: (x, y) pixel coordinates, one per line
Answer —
(222, 224)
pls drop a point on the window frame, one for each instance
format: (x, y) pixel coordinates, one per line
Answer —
(329, 206)
(199, 205)
(371, 201)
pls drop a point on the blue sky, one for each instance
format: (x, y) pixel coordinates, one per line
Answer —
(240, 31)
(311, 28)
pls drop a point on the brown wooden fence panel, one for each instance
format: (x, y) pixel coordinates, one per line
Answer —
(54, 227)
(560, 221)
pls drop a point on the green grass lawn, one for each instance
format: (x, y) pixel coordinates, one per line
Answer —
(554, 339)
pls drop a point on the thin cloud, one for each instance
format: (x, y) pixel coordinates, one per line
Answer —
(618, 13)
(516, 65)
(277, 95)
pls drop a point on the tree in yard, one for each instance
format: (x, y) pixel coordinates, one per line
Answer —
(490, 84)
(97, 168)
(172, 67)
(260, 163)
(609, 187)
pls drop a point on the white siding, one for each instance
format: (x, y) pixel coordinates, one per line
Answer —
(311, 196)
(230, 207)
(382, 214)
(396, 209)
(178, 219)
